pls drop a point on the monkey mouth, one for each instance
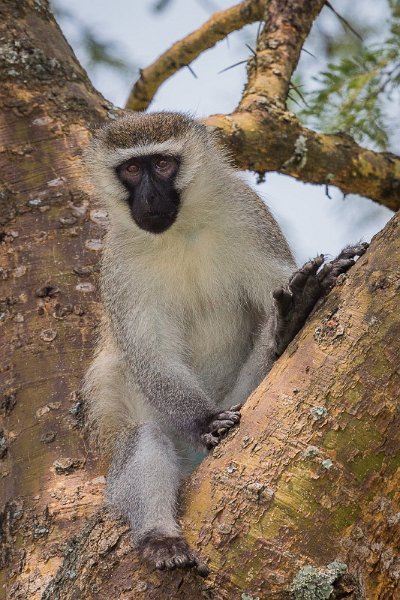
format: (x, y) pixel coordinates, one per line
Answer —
(159, 215)
(155, 221)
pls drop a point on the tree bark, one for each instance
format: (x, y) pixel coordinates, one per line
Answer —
(309, 479)
(49, 252)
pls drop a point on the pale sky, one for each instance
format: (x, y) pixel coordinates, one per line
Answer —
(312, 222)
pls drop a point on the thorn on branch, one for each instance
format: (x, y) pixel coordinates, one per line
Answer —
(261, 177)
(327, 192)
(259, 31)
(344, 22)
(295, 88)
(294, 100)
(192, 72)
(251, 50)
(308, 52)
(242, 62)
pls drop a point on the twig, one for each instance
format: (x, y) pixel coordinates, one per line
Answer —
(184, 52)
(241, 62)
(192, 72)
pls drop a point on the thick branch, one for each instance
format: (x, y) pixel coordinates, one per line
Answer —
(287, 24)
(185, 51)
(272, 140)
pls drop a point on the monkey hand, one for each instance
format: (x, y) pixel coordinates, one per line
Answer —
(309, 284)
(219, 425)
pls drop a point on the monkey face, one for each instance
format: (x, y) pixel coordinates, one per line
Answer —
(153, 199)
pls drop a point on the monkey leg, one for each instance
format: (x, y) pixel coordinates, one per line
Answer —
(143, 485)
(295, 302)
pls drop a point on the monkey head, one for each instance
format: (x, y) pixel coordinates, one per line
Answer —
(144, 163)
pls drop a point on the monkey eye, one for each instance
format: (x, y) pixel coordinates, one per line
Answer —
(165, 166)
(133, 168)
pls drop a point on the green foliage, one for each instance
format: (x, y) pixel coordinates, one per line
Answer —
(101, 52)
(97, 51)
(353, 93)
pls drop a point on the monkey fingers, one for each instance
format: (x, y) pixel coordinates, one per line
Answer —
(167, 553)
(294, 303)
(341, 264)
(219, 425)
(224, 421)
(210, 440)
(303, 286)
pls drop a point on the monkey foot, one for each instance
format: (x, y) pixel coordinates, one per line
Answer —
(167, 553)
(307, 285)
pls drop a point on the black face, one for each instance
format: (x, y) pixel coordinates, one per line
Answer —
(153, 200)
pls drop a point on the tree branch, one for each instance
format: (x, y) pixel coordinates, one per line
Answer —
(261, 135)
(287, 24)
(185, 51)
(274, 140)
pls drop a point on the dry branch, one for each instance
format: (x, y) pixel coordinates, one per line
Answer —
(274, 140)
(261, 136)
(287, 24)
(185, 51)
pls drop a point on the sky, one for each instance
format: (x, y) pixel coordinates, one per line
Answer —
(312, 222)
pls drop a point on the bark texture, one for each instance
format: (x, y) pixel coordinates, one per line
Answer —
(307, 484)
(49, 250)
(274, 140)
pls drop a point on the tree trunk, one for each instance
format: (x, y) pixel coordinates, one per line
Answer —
(301, 501)
(48, 310)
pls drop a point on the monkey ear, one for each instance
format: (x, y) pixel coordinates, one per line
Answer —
(209, 133)
(203, 129)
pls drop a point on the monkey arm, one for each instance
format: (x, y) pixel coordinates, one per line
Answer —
(257, 364)
(153, 350)
(293, 304)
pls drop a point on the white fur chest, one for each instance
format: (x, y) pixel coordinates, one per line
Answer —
(195, 282)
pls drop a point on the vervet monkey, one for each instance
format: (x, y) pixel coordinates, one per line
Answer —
(197, 308)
